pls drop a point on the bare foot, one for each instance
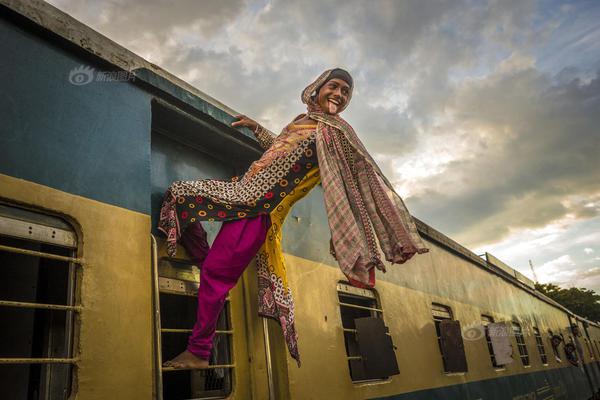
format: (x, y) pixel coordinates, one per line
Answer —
(186, 360)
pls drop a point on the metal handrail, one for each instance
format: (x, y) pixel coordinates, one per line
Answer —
(173, 330)
(157, 326)
(17, 360)
(171, 369)
(356, 330)
(78, 261)
(360, 307)
(20, 304)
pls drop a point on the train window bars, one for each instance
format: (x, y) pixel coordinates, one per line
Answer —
(449, 337)
(486, 320)
(523, 353)
(177, 286)
(369, 346)
(589, 348)
(540, 346)
(38, 275)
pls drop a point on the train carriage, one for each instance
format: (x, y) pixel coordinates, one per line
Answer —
(90, 304)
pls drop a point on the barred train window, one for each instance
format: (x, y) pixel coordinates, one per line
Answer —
(523, 353)
(178, 282)
(485, 321)
(449, 337)
(540, 346)
(589, 348)
(369, 346)
(38, 274)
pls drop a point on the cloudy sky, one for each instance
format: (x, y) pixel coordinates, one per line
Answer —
(485, 115)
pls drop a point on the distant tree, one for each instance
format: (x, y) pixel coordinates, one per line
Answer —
(583, 302)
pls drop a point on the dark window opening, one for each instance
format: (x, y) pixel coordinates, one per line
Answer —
(589, 348)
(554, 344)
(37, 305)
(178, 283)
(360, 314)
(485, 321)
(522, 347)
(540, 346)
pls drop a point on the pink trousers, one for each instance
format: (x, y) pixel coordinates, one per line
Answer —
(234, 247)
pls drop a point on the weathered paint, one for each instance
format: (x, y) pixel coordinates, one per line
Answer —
(91, 140)
(114, 340)
(115, 333)
(407, 313)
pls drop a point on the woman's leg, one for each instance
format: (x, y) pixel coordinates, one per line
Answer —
(232, 250)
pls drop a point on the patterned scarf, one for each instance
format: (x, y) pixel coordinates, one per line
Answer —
(359, 199)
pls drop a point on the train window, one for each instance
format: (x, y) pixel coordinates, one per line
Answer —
(178, 282)
(523, 353)
(540, 346)
(449, 337)
(485, 321)
(37, 304)
(555, 341)
(589, 348)
(369, 346)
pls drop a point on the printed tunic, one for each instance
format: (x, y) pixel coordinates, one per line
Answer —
(285, 173)
(272, 185)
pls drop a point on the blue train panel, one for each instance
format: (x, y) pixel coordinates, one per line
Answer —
(89, 139)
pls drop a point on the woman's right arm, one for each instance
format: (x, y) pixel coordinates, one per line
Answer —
(265, 137)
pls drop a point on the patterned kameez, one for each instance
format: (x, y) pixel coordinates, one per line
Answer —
(285, 173)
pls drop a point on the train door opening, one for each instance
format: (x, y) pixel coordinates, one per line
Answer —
(190, 147)
(38, 276)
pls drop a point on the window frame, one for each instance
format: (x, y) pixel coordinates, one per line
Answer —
(179, 280)
(487, 319)
(540, 346)
(589, 348)
(30, 225)
(345, 289)
(521, 345)
(441, 312)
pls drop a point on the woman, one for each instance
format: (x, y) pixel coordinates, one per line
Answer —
(318, 146)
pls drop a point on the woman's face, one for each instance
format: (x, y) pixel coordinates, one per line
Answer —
(333, 96)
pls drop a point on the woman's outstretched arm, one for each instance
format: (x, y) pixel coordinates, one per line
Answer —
(264, 136)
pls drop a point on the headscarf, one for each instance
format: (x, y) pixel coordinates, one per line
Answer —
(361, 203)
(339, 74)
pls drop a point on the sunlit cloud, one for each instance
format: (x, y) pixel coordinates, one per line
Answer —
(483, 115)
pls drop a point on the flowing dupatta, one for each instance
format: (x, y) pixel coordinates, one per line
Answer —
(359, 199)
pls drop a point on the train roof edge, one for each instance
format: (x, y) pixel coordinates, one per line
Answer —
(99, 46)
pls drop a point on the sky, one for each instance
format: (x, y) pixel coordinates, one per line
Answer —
(485, 115)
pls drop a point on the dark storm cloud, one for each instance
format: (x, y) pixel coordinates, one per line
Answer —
(548, 151)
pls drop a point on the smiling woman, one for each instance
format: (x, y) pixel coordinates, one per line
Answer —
(316, 146)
